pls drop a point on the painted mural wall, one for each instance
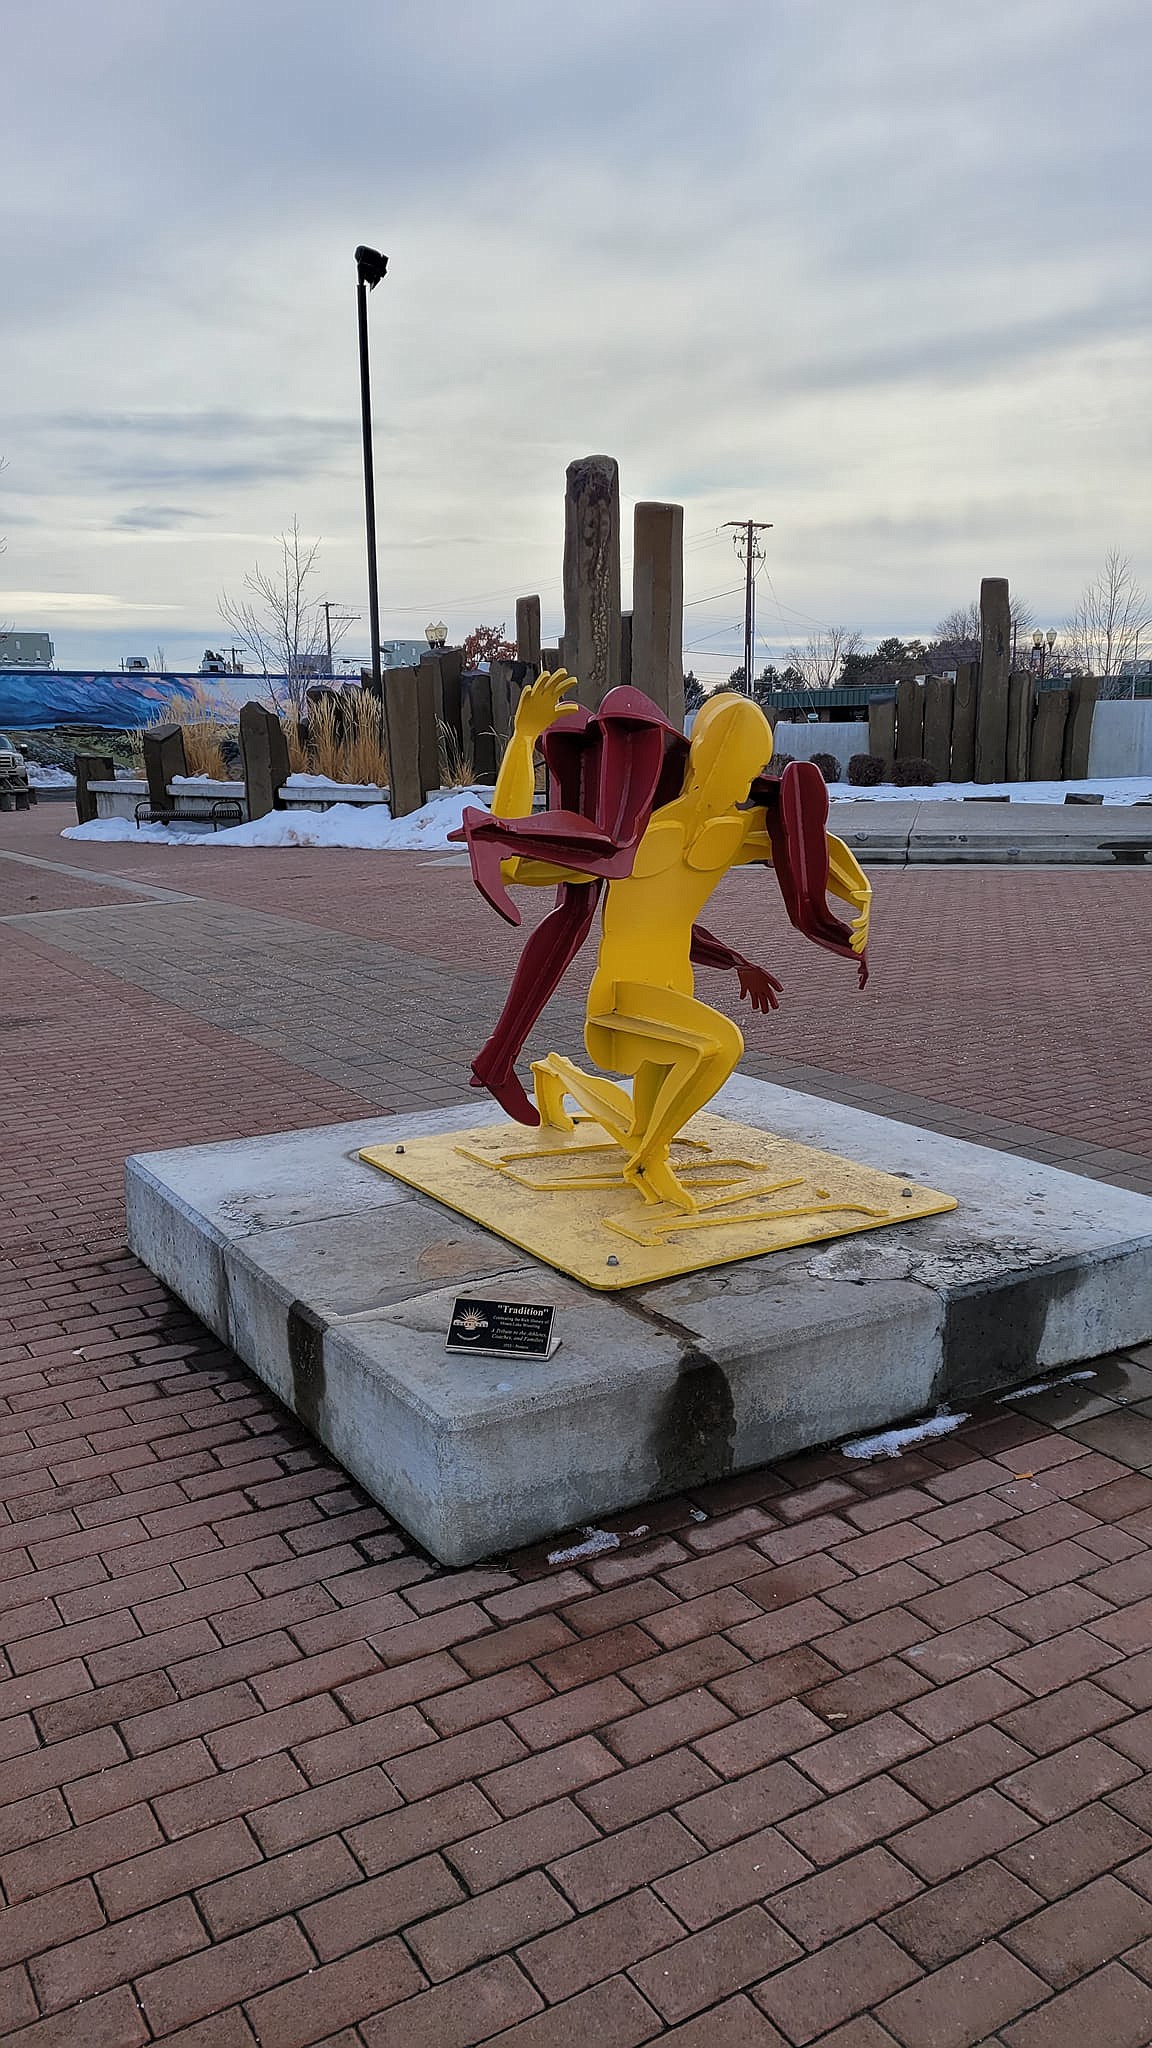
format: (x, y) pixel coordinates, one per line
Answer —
(34, 700)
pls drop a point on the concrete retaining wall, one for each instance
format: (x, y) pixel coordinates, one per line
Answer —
(1122, 737)
(802, 741)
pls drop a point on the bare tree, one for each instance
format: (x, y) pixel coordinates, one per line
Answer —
(279, 622)
(819, 661)
(958, 633)
(1107, 623)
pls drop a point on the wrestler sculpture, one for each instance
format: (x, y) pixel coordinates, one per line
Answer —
(656, 821)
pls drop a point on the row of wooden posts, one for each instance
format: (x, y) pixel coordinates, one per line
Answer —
(993, 724)
(989, 725)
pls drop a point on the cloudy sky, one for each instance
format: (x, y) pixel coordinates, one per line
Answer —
(874, 270)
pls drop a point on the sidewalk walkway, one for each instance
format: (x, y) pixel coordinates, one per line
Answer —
(837, 1754)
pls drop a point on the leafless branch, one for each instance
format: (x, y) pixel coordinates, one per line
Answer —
(819, 661)
(1112, 614)
(277, 622)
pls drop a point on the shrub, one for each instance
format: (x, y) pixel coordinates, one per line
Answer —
(914, 774)
(865, 770)
(778, 764)
(828, 765)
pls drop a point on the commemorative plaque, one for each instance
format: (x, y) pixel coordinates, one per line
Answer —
(502, 1329)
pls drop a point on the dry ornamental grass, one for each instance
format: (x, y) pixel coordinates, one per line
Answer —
(345, 739)
(457, 769)
(202, 729)
(342, 737)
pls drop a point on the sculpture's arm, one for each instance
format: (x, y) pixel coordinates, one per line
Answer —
(540, 704)
(759, 987)
(756, 844)
(847, 880)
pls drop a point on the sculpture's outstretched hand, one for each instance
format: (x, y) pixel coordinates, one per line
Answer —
(759, 987)
(862, 904)
(541, 704)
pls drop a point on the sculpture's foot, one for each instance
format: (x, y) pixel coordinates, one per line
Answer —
(655, 1180)
(550, 1090)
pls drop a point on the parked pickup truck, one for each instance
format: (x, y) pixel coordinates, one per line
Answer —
(15, 794)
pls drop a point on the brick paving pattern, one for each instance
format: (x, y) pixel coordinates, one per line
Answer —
(836, 1754)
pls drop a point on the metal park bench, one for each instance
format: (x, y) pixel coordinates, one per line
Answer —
(189, 809)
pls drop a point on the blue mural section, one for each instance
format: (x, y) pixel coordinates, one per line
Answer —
(36, 699)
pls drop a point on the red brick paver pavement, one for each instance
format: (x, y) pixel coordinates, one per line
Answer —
(836, 1754)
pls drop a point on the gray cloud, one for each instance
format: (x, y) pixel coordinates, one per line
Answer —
(158, 518)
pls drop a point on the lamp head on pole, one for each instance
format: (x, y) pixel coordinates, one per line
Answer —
(1051, 638)
(1037, 639)
(370, 266)
(436, 635)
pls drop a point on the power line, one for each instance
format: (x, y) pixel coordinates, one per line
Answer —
(712, 597)
(749, 549)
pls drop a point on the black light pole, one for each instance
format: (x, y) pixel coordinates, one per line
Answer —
(370, 268)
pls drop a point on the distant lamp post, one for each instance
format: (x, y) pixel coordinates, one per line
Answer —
(370, 268)
(436, 635)
(1050, 637)
(1038, 653)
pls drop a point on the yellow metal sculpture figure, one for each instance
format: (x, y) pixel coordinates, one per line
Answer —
(701, 1196)
(643, 1018)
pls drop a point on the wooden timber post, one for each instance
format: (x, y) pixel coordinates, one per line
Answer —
(592, 576)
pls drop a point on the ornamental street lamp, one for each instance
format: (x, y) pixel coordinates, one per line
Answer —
(436, 635)
(370, 268)
(1042, 645)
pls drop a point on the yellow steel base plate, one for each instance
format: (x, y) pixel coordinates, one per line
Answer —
(561, 1197)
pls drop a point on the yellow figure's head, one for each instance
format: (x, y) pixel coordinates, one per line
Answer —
(731, 745)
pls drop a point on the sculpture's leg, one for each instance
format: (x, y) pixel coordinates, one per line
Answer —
(557, 1077)
(645, 1091)
(693, 1050)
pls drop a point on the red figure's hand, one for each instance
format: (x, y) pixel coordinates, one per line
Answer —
(759, 987)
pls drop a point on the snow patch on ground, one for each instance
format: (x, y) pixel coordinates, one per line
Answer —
(596, 1543)
(372, 830)
(49, 778)
(302, 781)
(893, 1441)
(1042, 1387)
(1115, 789)
(118, 828)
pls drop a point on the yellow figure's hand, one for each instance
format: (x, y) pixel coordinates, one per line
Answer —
(860, 900)
(847, 880)
(541, 704)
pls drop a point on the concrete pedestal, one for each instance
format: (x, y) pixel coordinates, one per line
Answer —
(335, 1285)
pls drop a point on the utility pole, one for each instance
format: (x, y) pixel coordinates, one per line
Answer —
(748, 547)
(342, 619)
